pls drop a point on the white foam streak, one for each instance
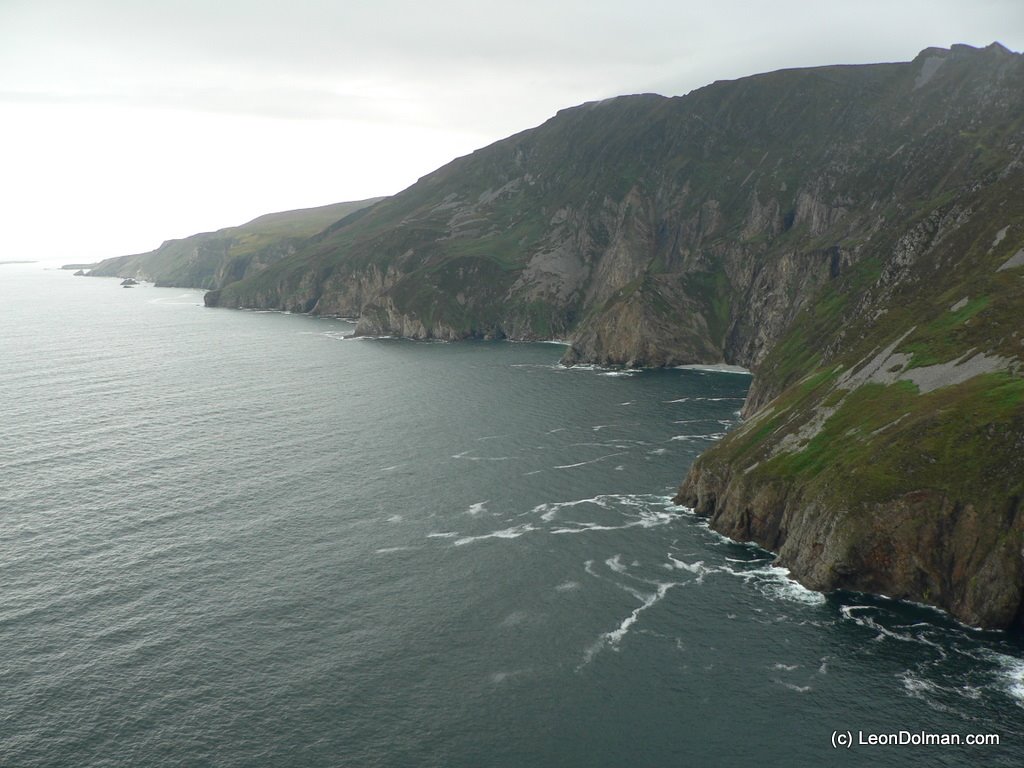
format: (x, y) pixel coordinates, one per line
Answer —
(465, 455)
(476, 509)
(549, 510)
(775, 581)
(614, 637)
(1011, 675)
(588, 527)
(849, 612)
(592, 461)
(507, 533)
(715, 368)
(698, 569)
(646, 519)
(706, 436)
(702, 399)
(643, 511)
(616, 564)
(792, 687)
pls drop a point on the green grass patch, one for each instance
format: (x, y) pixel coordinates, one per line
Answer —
(885, 440)
(945, 337)
(714, 291)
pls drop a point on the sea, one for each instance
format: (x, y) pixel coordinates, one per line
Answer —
(238, 538)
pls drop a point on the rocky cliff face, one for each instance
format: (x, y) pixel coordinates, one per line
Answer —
(853, 234)
(883, 449)
(657, 231)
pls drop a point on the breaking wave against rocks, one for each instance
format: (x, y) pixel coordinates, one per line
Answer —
(235, 539)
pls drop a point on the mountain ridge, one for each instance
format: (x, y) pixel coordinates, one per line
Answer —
(854, 234)
(556, 254)
(210, 259)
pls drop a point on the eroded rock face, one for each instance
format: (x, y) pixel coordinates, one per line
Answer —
(920, 546)
(852, 234)
(656, 231)
(883, 443)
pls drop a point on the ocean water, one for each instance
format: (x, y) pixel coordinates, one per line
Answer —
(242, 539)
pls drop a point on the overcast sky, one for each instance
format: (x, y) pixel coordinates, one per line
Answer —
(127, 122)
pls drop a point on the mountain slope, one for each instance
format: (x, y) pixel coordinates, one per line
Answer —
(656, 231)
(884, 449)
(853, 234)
(212, 259)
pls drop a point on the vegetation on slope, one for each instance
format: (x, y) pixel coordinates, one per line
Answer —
(894, 406)
(213, 259)
(711, 219)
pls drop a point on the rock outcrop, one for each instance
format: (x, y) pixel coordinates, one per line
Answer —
(883, 446)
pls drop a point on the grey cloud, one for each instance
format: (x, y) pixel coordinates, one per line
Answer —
(451, 60)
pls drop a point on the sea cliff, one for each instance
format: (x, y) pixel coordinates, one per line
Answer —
(853, 234)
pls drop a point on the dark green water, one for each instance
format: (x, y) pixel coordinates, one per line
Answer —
(237, 539)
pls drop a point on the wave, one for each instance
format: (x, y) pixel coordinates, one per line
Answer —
(465, 455)
(794, 687)
(702, 399)
(775, 581)
(614, 637)
(615, 563)
(715, 368)
(708, 436)
(507, 533)
(862, 616)
(591, 461)
(1011, 675)
(633, 511)
(549, 510)
(698, 569)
